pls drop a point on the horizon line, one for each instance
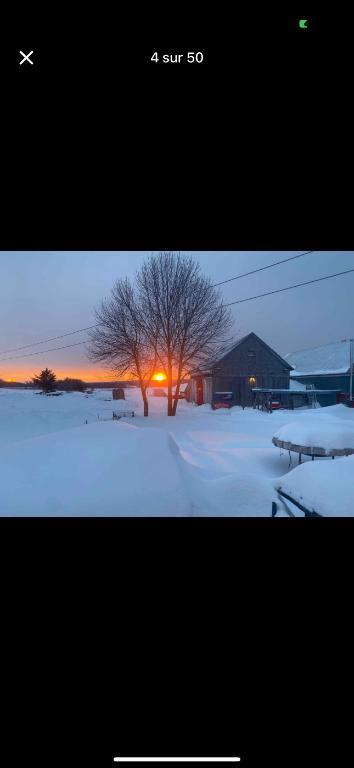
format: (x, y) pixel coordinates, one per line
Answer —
(177, 759)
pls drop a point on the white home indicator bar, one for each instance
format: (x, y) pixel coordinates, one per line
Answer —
(176, 759)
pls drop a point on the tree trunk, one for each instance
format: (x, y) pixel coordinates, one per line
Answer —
(143, 389)
(175, 401)
(178, 384)
(169, 391)
(146, 403)
(169, 401)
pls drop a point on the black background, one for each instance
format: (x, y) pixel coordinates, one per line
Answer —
(176, 636)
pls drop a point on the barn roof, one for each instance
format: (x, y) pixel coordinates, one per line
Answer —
(249, 336)
(319, 361)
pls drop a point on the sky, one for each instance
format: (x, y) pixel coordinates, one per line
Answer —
(46, 294)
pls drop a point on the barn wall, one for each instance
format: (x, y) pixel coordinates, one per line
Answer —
(336, 381)
(235, 369)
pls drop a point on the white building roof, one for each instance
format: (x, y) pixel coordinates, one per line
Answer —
(330, 358)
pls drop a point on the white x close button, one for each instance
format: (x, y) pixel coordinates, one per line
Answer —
(26, 57)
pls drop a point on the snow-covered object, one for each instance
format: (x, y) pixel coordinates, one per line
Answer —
(297, 385)
(107, 468)
(328, 435)
(325, 487)
(330, 358)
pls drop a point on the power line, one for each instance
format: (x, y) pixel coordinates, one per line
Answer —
(44, 351)
(89, 327)
(45, 341)
(261, 269)
(329, 344)
(288, 288)
(239, 301)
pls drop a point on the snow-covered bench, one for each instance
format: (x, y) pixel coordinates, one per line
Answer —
(119, 414)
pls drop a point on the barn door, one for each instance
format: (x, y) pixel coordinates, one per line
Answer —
(199, 383)
(243, 392)
(250, 383)
(207, 390)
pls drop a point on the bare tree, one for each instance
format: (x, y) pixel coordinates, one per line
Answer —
(183, 314)
(120, 339)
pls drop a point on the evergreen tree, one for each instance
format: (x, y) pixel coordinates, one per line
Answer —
(45, 380)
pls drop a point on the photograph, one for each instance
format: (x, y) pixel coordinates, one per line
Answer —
(176, 384)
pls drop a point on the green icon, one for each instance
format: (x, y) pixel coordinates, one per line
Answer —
(303, 23)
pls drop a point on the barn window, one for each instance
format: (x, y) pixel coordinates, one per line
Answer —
(251, 353)
(252, 381)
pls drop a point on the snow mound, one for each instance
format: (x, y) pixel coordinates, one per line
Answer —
(325, 487)
(329, 434)
(294, 384)
(100, 469)
(234, 495)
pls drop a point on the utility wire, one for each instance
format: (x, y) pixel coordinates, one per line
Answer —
(45, 341)
(288, 288)
(261, 269)
(231, 303)
(44, 351)
(89, 327)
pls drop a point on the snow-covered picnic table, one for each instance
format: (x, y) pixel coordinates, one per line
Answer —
(316, 438)
(323, 488)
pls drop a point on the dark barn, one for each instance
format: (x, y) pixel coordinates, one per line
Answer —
(248, 364)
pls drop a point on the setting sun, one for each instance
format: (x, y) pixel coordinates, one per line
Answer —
(159, 376)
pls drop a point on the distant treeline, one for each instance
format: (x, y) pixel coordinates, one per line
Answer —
(15, 385)
(110, 384)
(70, 384)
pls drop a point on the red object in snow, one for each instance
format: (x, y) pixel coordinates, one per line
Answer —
(344, 397)
(275, 405)
(199, 384)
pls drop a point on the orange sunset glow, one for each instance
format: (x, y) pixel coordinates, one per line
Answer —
(26, 373)
(86, 374)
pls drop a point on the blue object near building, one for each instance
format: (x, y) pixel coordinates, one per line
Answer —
(222, 400)
(325, 368)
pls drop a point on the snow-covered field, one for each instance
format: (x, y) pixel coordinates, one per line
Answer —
(201, 462)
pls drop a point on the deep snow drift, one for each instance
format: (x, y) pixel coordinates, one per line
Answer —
(100, 469)
(201, 462)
